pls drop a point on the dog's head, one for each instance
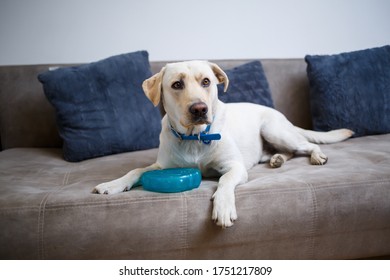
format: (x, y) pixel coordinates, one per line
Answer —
(188, 92)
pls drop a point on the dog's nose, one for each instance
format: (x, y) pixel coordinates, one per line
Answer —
(199, 109)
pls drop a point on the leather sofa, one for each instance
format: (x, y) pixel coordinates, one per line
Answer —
(47, 211)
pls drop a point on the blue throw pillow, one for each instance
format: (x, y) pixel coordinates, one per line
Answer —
(351, 90)
(247, 83)
(101, 108)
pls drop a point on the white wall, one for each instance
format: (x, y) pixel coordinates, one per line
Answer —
(68, 31)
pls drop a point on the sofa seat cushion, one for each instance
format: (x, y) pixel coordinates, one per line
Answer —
(339, 210)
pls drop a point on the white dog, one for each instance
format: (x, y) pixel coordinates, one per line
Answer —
(221, 139)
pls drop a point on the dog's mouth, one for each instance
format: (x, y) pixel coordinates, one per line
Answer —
(193, 122)
(200, 121)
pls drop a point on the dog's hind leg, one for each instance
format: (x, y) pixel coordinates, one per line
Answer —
(277, 160)
(284, 137)
(317, 157)
(301, 146)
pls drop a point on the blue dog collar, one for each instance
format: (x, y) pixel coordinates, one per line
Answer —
(201, 137)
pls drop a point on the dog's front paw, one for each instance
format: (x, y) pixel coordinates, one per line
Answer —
(109, 188)
(224, 208)
(318, 158)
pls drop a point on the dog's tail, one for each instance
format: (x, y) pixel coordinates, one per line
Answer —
(329, 137)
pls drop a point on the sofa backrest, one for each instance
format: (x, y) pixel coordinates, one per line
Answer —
(27, 119)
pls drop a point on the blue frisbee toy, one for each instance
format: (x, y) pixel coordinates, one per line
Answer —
(171, 180)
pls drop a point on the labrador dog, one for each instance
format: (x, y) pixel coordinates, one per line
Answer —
(198, 130)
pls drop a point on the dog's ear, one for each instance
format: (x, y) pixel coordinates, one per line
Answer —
(152, 87)
(221, 76)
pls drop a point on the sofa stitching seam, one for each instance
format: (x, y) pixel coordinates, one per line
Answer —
(184, 226)
(41, 221)
(41, 215)
(175, 198)
(314, 228)
(242, 193)
(178, 197)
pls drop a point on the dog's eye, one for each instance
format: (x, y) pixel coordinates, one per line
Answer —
(205, 82)
(178, 85)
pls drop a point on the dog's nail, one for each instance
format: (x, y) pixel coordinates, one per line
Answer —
(105, 192)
